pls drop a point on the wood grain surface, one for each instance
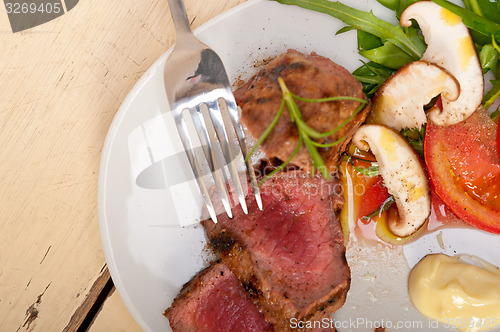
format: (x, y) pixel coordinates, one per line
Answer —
(114, 317)
(62, 83)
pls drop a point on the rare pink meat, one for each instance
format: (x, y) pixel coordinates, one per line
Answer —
(214, 300)
(290, 257)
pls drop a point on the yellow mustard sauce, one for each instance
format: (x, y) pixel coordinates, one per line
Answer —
(456, 293)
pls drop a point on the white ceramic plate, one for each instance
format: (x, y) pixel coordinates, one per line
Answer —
(146, 189)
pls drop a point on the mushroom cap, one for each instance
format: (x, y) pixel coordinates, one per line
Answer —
(449, 45)
(399, 102)
(402, 173)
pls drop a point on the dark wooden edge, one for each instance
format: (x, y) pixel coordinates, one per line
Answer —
(85, 314)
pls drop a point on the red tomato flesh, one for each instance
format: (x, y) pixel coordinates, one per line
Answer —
(442, 215)
(498, 138)
(464, 168)
(371, 191)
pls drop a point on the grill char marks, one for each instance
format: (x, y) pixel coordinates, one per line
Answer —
(222, 242)
(290, 257)
(287, 261)
(214, 300)
(310, 76)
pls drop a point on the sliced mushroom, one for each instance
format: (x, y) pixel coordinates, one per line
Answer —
(449, 45)
(402, 173)
(399, 102)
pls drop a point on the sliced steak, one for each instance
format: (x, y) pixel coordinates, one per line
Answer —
(309, 76)
(290, 257)
(214, 300)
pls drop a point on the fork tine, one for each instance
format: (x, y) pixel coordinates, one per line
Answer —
(208, 149)
(218, 123)
(188, 147)
(234, 113)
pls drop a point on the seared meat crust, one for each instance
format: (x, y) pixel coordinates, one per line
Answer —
(290, 257)
(309, 76)
(214, 300)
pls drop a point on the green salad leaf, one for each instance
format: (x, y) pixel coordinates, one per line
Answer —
(473, 20)
(487, 8)
(391, 4)
(372, 75)
(367, 41)
(416, 138)
(488, 56)
(366, 21)
(388, 55)
(494, 115)
(492, 95)
(473, 6)
(390, 47)
(397, 5)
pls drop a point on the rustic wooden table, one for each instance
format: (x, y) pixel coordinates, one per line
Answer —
(62, 83)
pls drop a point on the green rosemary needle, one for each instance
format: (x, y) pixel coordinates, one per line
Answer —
(307, 135)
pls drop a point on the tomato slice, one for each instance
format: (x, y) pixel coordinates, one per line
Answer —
(465, 169)
(370, 191)
(441, 214)
(375, 195)
(498, 138)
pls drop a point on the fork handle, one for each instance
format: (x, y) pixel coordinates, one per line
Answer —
(180, 19)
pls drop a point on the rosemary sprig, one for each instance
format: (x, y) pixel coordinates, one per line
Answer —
(280, 167)
(307, 135)
(266, 133)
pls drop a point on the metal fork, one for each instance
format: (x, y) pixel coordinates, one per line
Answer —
(195, 76)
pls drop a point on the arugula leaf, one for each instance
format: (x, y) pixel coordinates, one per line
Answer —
(488, 56)
(385, 54)
(391, 4)
(472, 20)
(489, 8)
(397, 6)
(492, 95)
(494, 44)
(473, 6)
(416, 138)
(388, 55)
(368, 22)
(479, 38)
(367, 41)
(402, 6)
(345, 29)
(372, 76)
(390, 47)
(494, 115)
